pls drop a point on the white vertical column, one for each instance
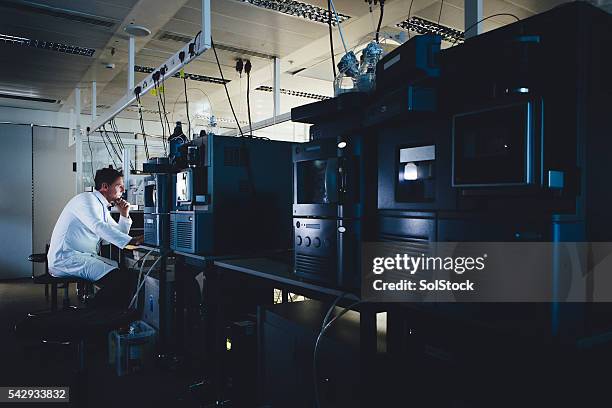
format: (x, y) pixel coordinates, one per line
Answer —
(78, 141)
(126, 169)
(204, 39)
(94, 101)
(473, 14)
(276, 88)
(131, 54)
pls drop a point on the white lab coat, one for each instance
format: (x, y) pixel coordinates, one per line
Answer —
(81, 226)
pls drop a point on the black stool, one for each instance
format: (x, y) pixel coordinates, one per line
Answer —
(55, 282)
(73, 327)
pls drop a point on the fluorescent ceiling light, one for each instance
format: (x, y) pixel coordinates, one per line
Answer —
(47, 45)
(422, 26)
(290, 92)
(297, 9)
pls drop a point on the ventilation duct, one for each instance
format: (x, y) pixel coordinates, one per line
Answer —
(60, 13)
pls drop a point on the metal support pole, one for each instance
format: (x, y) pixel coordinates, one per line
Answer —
(94, 101)
(126, 169)
(276, 88)
(473, 14)
(78, 141)
(131, 53)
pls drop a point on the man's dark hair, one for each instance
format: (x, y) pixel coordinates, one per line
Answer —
(106, 175)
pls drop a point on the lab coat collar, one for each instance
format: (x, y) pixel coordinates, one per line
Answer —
(102, 198)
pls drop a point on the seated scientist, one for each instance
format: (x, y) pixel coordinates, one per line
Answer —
(81, 227)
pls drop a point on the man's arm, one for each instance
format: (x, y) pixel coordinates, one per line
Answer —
(125, 222)
(90, 215)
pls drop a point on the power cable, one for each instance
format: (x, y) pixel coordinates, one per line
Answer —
(247, 69)
(187, 105)
(161, 121)
(112, 146)
(331, 39)
(382, 12)
(339, 26)
(324, 329)
(119, 140)
(106, 145)
(163, 90)
(91, 159)
(408, 19)
(483, 19)
(225, 86)
(440, 15)
(142, 129)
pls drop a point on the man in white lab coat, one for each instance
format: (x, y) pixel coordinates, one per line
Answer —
(83, 224)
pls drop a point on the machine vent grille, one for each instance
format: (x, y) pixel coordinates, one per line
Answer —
(169, 36)
(313, 265)
(401, 244)
(182, 234)
(149, 234)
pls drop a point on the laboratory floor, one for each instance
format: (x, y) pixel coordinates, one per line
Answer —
(56, 366)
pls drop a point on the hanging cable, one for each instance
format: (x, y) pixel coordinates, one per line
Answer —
(117, 137)
(440, 15)
(225, 86)
(106, 145)
(113, 146)
(331, 39)
(187, 105)
(339, 26)
(163, 99)
(144, 135)
(382, 12)
(247, 70)
(163, 104)
(161, 121)
(408, 19)
(120, 141)
(91, 159)
(319, 337)
(483, 19)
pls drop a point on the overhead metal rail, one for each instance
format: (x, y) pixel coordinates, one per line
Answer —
(196, 47)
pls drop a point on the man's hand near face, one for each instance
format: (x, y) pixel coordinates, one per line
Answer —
(123, 207)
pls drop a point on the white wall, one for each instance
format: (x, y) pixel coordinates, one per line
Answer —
(65, 120)
(288, 131)
(15, 201)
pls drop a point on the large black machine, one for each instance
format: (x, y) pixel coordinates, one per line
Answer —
(218, 195)
(232, 195)
(158, 193)
(332, 193)
(516, 148)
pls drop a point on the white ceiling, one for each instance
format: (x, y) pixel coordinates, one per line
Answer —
(236, 24)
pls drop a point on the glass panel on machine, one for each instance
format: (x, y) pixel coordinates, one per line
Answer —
(317, 181)
(183, 188)
(490, 147)
(416, 174)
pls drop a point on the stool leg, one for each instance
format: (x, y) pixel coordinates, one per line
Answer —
(66, 302)
(54, 297)
(47, 292)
